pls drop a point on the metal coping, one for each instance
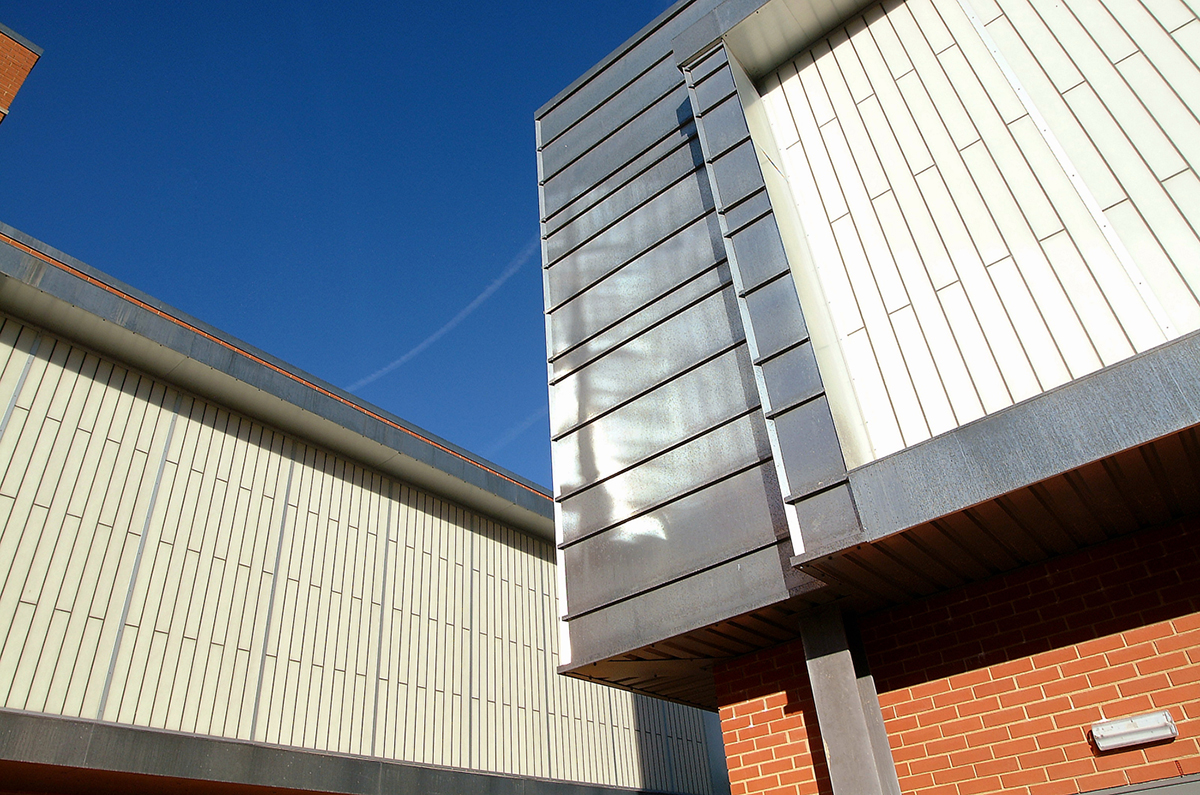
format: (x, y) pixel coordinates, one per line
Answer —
(100, 280)
(19, 39)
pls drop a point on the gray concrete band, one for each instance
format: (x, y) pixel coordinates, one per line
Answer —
(34, 745)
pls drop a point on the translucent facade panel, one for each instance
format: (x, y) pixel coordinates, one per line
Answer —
(997, 199)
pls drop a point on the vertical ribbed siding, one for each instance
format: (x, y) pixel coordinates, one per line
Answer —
(964, 269)
(282, 594)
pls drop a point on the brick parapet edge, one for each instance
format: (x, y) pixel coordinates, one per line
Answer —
(16, 61)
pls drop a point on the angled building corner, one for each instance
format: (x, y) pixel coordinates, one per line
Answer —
(873, 354)
(220, 574)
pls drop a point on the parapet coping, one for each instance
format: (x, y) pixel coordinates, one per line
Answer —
(67, 297)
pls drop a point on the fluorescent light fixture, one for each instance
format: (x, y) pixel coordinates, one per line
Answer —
(1135, 730)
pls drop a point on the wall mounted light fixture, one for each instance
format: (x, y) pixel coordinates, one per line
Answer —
(1136, 730)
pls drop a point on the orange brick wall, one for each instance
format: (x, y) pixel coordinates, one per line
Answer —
(15, 63)
(769, 724)
(993, 688)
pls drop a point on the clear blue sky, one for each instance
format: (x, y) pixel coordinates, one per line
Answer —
(331, 182)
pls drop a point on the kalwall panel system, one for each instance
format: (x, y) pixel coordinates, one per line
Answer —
(998, 198)
(656, 412)
(171, 564)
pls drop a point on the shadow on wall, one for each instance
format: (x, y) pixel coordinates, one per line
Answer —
(1029, 660)
(769, 721)
(675, 748)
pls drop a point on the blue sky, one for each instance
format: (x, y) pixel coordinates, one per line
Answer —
(349, 186)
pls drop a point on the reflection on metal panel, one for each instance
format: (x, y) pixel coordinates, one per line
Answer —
(283, 594)
(706, 459)
(678, 257)
(709, 526)
(661, 120)
(963, 269)
(637, 365)
(686, 294)
(633, 236)
(680, 409)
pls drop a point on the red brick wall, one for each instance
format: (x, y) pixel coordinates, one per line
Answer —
(993, 687)
(770, 724)
(15, 63)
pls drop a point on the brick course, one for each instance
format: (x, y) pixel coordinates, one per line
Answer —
(769, 724)
(994, 686)
(1109, 632)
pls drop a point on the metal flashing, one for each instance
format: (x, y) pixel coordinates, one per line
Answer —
(1125, 405)
(66, 296)
(19, 39)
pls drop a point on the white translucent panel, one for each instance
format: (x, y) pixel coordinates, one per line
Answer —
(1031, 327)
(878, 417)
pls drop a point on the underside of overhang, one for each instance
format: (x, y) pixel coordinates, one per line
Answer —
(1136, 489)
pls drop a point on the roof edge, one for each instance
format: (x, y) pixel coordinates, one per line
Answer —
(19, 39)
(62, 294)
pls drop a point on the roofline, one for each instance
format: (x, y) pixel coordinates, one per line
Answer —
(66, 296)
(19, 39)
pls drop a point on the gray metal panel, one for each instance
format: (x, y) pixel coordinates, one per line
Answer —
(675, 301)
(629, 173)
(26, 737)
(754, 207)
(775, 314)
(706, 527)
(812, 456)
(620, 108)
(828, 521)
(715, 87)
(725, 125)
(677, 165)
(1120, 407)
(591, 89)
(759, 251)
(737, 173)
(641, 363)
(680, 409)
(713, 456)
(709, 64)
(678, 258)
(665, 118)
(631, 237)
(737, 586)
(792, 378)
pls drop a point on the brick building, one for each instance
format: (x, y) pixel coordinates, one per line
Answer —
(873, 341)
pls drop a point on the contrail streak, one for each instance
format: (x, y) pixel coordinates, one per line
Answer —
(514, 266)
(512, 433)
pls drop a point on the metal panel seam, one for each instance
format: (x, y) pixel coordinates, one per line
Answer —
(274, 581)
(137, 560)
(12, 403)
(1094, 209)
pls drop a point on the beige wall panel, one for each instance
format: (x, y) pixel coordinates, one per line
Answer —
(194, 570)
(934, 202)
